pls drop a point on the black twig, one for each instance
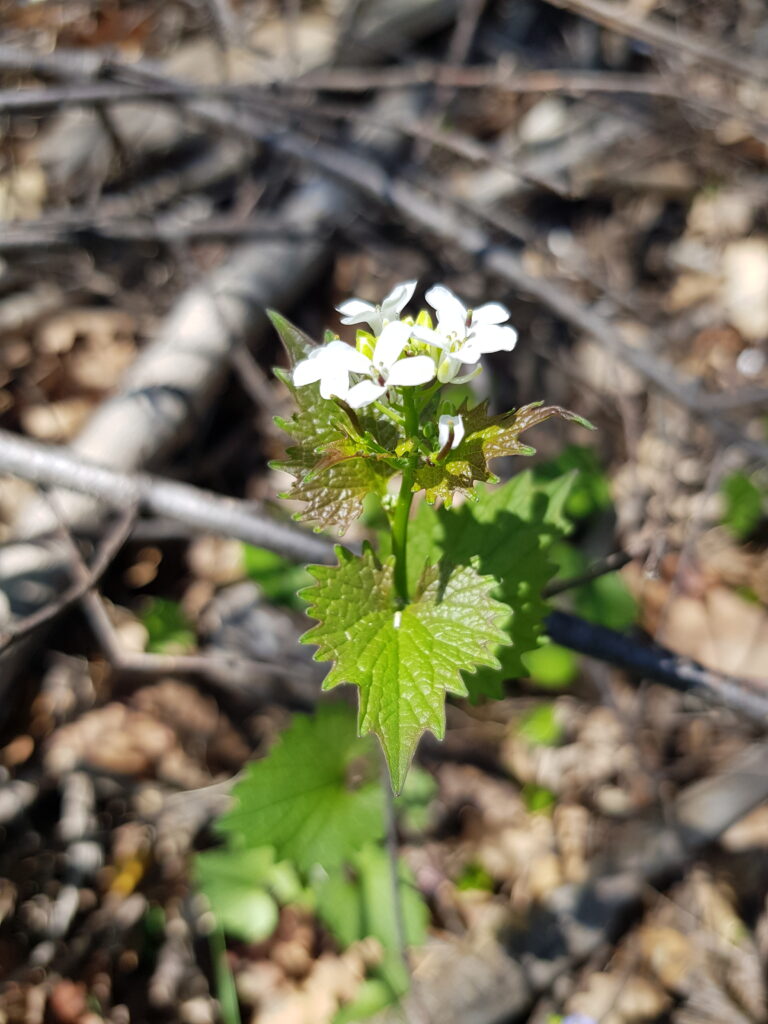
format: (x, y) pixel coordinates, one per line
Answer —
(651, 661)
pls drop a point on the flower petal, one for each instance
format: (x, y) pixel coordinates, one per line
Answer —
(490, 313)
(492, 338)
(412, 371)
(447, 369)
(451, 312)
(450, 428)
(356, 311)
(399, 297)
(364, 393)
(334, 382)
(391, 343)
(309, 370)
(339, 354)
(443, 430)
(469, 353)
(429, 337)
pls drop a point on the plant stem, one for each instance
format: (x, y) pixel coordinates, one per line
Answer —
(403, 507)
(400, 534)
(389, 412)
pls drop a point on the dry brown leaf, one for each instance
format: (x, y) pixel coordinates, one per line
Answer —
(55, 422)
(670, 955)
(745, 286)
(217, 560)
(112, 739)
(618, 998)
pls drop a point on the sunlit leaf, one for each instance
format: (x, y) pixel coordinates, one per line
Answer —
(315, 797)
(404, 660)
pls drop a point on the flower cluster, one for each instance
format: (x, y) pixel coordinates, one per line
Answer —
(400, 352)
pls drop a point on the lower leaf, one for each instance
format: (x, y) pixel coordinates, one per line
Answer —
(404, 660)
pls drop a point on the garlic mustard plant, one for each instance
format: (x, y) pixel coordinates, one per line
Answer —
(450, 600)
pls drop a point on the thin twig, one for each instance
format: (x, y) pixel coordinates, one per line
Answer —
(80, 228)
(116, 536)
(660, 664)
(611, 563)
(224, 671)
(670, 38)
(202, 510)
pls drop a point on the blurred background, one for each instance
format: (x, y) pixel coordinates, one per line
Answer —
(591, 847)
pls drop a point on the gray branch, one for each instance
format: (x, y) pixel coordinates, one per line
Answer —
(196, 508)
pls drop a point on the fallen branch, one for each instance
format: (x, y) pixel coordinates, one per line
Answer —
(456, 225)
(648, 661)
(114, 540)
(669, 38)
(201, 510)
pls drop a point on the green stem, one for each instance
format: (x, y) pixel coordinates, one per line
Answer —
(403, 506)
(389, 412)
(400, 533)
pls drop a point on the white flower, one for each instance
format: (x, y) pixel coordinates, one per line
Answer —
(385, 369)
(450, 431)
(463, 334)
(357, 311)
(330, 364)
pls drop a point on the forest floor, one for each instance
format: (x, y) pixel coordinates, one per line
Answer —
(591, 847)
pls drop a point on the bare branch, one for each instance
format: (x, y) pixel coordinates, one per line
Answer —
(660, 664)
(611, 563)
(669, 38)
(201, 510)
(114, 540)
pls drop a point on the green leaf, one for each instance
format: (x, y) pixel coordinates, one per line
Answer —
(296, 343)
(405, 660)
(226, 989)
(474, 876)
(169, 629)
(359, 903)
(538, 799)
(235, 884)
(743, 504)
(372, 995)
(591, 491)
(279, 579)
(486, 437)
(551, 666)
(540, 727)
(606, 601)
(510, 531)
(316, 797)
(338, 456)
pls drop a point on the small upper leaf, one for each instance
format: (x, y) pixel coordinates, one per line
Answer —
(485, 437)
(403, 660)
(316, 796)
(334, 471)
